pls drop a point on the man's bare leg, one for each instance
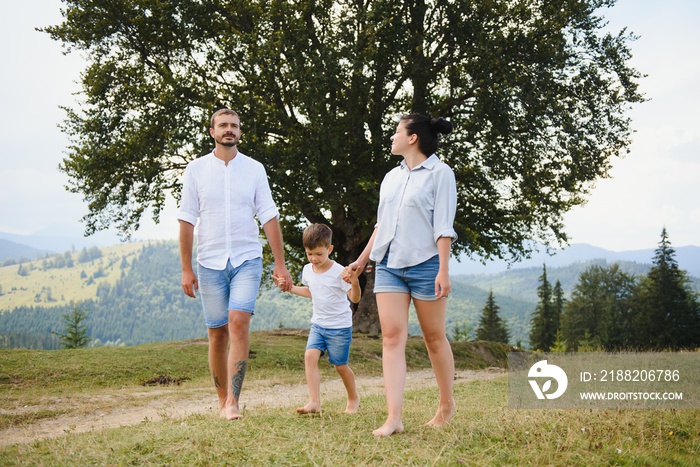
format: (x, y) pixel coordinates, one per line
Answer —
(238, 326)
(218, 354)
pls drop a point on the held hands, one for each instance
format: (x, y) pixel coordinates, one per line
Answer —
(352, 271)
(284, 283)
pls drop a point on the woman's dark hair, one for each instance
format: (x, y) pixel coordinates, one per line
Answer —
(427, 130)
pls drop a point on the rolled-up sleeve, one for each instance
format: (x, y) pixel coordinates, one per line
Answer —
(445, 204)
(189, 201)
(265, 208)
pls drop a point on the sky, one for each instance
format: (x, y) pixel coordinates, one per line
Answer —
(656, 185)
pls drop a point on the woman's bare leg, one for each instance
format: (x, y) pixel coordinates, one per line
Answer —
(393, 317)
(432, 319)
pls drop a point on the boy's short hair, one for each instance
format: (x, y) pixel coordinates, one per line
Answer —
(317, 235)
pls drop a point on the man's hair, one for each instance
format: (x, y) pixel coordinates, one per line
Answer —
(221, 112)
(317, 235)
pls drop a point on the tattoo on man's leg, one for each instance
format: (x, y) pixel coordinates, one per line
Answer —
(237, 379)
(217, 384)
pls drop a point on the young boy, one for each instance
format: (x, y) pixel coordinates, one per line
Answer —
(331, 322)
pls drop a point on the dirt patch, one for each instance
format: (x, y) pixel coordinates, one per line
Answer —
(164, 380)
(131, 407)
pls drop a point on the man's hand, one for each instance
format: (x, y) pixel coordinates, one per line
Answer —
(282, 278)
(190, 285)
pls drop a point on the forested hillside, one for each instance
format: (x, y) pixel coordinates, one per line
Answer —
(132, 295)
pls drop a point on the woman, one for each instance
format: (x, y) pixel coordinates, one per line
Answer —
(411, 246)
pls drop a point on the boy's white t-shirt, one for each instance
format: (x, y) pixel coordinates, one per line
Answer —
(329, 295)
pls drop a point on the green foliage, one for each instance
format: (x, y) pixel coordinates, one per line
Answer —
(491, 326)
(75, 333)
(668, 311)
(462, 332)
(537, 92)
(600, 308)
(545, 319)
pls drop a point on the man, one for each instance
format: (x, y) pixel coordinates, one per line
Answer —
(226, 190)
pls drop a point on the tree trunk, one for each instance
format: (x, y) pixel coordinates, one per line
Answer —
(365, 320)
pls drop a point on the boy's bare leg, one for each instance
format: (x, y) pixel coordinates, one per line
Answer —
(218, 352)
(313, 381)
(348, 378)
(238, 324)
(393, 317)
(432, 319)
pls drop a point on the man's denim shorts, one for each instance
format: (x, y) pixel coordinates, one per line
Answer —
(418, 280)
(228, 289)
(336, 342)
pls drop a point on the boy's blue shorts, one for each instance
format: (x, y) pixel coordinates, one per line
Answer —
(336, 342)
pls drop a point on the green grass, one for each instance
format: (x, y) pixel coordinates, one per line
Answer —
(484, 431)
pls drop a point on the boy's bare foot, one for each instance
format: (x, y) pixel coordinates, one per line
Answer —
(389, 428)
(443, 415)
(309, 408)
(352, 405)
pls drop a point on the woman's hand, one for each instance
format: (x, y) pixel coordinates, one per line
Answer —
(443, 286)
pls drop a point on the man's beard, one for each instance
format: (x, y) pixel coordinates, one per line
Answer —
(229, 143)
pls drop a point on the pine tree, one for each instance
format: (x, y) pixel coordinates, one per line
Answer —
(600, 309)
(541, 335)
(558, 302)
(491, 326)
(75, 335)
(668, 314)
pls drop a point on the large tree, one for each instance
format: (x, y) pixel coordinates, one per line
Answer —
(537, 92)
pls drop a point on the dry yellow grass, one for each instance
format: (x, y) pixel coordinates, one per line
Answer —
(60, 286)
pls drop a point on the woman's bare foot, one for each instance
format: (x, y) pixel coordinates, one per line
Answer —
(352, 405)
(443, 416)
(389, 428)
(311, 407)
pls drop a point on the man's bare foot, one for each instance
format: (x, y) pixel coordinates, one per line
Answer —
(352, 405)
(309, 408)
(231, 413)
(389, 428)
(443, 415)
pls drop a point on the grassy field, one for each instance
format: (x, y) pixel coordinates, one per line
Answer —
(484, 431)
(58, 286)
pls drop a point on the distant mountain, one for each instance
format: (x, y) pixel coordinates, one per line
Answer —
(57, 238)
(15, 251)
(688, 258)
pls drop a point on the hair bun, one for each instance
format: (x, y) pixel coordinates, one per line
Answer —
(441, 125)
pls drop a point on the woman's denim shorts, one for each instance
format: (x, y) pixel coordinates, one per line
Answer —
(228, 289)
(417, 281)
